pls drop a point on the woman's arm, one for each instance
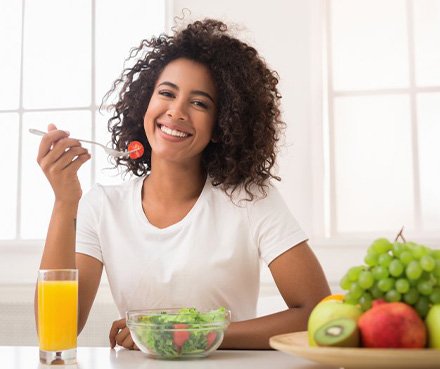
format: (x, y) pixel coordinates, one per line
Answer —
(302, 284)
(60, 158)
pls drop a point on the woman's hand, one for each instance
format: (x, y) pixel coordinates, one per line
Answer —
(60, 157)
(120, 335)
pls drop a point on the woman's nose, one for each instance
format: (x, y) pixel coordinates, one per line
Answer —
(176, 111)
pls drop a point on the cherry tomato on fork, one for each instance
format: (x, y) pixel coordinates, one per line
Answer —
(137, 148)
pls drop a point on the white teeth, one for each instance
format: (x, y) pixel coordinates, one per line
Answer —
(173, 132)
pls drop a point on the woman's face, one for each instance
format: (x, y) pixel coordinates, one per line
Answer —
(180, 117)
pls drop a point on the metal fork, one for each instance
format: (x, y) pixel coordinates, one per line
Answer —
(108, 150)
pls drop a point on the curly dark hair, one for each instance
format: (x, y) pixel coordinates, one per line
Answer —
(248, 123)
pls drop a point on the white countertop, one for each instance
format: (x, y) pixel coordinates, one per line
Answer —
(27, 357)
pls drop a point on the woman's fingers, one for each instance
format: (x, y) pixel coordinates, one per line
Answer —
(51, 127)
(60, 158)
(62, 155)
(48, 141)
(68, 157)
(115, 328)
(59, 148)
(124, 339)
(78, 161)
(120, 335)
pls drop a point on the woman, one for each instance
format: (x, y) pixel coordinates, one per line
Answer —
(190, 227)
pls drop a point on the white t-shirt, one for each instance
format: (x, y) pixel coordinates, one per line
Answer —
(210, 258)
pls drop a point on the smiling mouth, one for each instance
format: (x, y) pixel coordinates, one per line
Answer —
(173, 132)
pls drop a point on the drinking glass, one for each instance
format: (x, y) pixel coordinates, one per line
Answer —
(57, 315)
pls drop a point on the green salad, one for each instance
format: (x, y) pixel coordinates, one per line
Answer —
(182, 333)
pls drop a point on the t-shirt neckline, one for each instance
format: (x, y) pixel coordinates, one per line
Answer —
(137, 206)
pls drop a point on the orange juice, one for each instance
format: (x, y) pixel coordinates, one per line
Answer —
(57, 314)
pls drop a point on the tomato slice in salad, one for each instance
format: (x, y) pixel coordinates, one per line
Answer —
(210, 338)
(137, 148)
(180, 336)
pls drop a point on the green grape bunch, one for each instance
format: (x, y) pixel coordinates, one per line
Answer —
(395, 271)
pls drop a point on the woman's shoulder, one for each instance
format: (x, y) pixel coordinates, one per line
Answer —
(111, 191)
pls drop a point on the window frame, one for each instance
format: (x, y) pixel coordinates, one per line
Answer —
(27, 252)
(93, 108)
(329, 234)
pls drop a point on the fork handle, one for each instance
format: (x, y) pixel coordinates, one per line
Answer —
(37, 132)
(42, 133)
(91, 142)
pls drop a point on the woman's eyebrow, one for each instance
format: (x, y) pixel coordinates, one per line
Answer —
(195, 92)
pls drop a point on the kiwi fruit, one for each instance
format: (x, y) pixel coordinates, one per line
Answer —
(342, 332)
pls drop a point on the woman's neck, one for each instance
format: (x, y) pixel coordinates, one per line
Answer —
(174, 183)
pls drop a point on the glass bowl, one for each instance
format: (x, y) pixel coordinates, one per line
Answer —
(181, 333)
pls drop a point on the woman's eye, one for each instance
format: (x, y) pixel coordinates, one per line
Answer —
(166, 93)
(200, 104)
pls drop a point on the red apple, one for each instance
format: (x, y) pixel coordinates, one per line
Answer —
(392, 325)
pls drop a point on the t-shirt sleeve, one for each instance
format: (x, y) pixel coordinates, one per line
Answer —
(274, 228)
(87, 236)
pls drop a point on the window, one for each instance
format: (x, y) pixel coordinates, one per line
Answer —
(383, 121)
(56, 69)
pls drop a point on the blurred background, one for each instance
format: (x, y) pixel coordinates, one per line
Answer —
(360, 81)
